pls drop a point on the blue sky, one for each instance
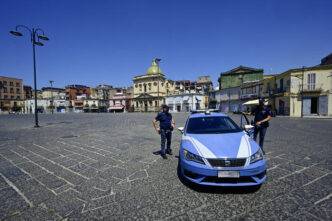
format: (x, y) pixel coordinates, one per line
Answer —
(111, 41)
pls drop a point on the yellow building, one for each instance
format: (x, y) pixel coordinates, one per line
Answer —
(151, 88)
(313, 84)
(268, 87)
(53, 93)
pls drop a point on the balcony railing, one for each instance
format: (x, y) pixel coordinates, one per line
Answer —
(312, 87)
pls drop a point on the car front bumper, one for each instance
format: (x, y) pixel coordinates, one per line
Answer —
(251, 175)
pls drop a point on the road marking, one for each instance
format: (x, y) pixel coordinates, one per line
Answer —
(65, 168)
(318, 178)
(295, 172)
(323, 199)
(17, 190)
(272, 168)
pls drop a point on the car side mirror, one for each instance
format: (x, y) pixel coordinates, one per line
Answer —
(181, 129)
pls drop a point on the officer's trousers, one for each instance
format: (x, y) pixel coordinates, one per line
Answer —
(165, 137)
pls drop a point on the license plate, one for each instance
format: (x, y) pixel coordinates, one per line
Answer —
(228, 174)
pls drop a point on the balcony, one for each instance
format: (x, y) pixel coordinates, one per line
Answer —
(312, 88)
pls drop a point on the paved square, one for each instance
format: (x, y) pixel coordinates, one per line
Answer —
(101, 166)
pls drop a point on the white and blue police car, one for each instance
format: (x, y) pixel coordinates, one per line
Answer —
(215, 151)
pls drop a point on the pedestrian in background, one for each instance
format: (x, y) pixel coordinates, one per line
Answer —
(262, 117)
(166, 126)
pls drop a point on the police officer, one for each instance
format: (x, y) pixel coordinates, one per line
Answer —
(166, 126)
(262, 117)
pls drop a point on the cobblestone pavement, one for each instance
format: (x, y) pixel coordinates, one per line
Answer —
(101, 166)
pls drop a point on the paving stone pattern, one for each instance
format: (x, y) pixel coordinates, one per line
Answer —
(101, 166)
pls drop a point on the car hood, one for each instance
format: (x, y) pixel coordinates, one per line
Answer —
(228, 145)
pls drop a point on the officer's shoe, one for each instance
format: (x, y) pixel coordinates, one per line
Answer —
(164, 156)
(169, 152)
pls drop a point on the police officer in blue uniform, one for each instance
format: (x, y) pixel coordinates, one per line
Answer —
(262, 117)
(166, 126)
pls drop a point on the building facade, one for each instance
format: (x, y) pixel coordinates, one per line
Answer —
(74, 91)
(150, 89)
(228, 99)
(304, 91)
(11, 94)
(53, 93)
(45, 106)
(93, 105)
(185, 102)
(238, 86)
(76, 94)
(101, 92)
(120, 100)
(27, 92)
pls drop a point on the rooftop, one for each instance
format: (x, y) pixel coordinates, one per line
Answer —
(241, 69)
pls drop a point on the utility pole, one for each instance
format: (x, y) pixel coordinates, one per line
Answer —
(302, 91)
(52, 100)
(229, 99)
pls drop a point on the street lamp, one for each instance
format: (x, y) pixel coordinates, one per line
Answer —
(36, 34)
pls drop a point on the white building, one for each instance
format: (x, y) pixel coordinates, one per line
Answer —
(228, 99)
(185, 102)
(44, 105)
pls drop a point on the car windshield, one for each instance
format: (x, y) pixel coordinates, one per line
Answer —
(214, 125)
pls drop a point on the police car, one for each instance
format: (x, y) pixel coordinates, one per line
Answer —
(215, 151)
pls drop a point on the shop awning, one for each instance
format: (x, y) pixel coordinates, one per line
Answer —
(251, 102)
(254, 102)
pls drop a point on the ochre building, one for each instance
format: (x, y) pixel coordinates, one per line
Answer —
(151, 88)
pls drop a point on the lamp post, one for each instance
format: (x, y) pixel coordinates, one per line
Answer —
(52, 100)
(36, 34)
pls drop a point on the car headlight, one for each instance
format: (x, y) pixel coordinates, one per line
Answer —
(257, 156)
(193, 157)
